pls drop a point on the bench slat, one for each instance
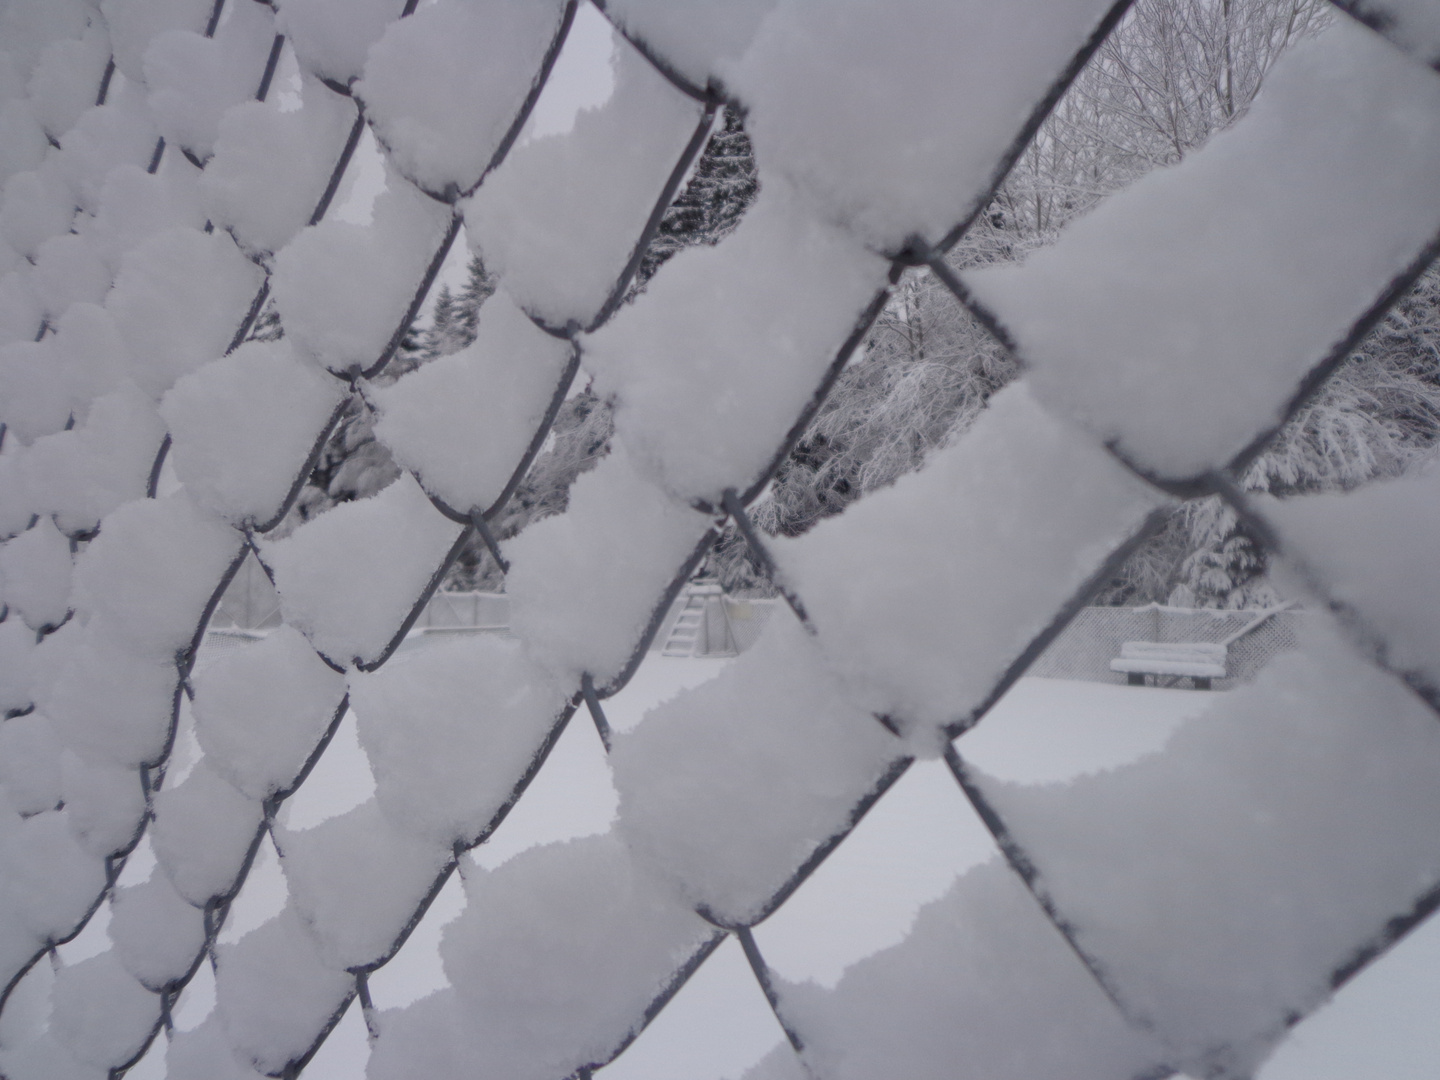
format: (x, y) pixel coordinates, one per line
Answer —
(1166, 667)
(1197, 659)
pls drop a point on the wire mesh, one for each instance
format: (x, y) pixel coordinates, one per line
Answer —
(563, 960)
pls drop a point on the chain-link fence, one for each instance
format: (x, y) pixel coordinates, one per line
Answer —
(172, 168)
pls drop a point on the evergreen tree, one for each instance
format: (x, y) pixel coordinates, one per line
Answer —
(721, 188)
(439, 335)
(479, 286)
(354, 464)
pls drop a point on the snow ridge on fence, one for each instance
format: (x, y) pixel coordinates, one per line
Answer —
(161, 185)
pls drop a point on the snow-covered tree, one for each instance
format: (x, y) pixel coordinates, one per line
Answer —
(1175, 73)
(722, 185)
(480, 285)
(1378, 416)
(439, 336)
(354, 464)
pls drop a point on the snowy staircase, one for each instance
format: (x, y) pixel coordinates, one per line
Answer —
(687, 635)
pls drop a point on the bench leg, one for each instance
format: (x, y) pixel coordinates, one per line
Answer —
(1202, 682)
(1134, 678)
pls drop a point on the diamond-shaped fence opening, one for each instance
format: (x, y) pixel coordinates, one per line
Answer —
(172, 168)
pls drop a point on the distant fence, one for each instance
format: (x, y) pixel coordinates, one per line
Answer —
(250, 604)
(1082, 651)
(465, 611)
(1086, 647)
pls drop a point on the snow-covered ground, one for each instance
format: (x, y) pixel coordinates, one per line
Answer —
(905, 853)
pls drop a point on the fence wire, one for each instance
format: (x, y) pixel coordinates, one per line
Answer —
(128, 521)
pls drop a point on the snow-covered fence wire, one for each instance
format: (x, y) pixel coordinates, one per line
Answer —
(169, 166)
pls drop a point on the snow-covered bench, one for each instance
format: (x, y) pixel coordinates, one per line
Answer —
(1201, 661)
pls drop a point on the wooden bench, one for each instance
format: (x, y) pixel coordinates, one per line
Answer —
(1200, 661)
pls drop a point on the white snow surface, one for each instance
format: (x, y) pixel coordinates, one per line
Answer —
(30, 763)
(17, 643)
(19, 308)
(1178, 318)
(892, 119)
(356, 880)
(696, 39)
(15, 513)
(584, 584)
(108, 703)
(925, 592)
(713, 363)
(342, 288)
(149, 575)
(202, 831)
(450, 729)
(261, 710)
(271, 166)
(443, 87)
(104, 803)
(1220, 872)
(34, 404)
(1364, 546)
(82, 475)
(35, 567)
(22, 139)
(560, 218)
(203, 1053)
(135, 205)
(50, 882)
(67, 76)
(982, 988)
(242, 427)
(157, 934)
(45, 1059)
(178, 300)
(120, 132)
(729, 788)
(462, 422)
(192, 80)
(428, 1039)
(332, 37)
(34, 209)
(69, 270)
(394, 541)
(557, 955)
(135, 23)
(269, 1029)
(101, 1014)
(28, 26)
(88, 356)
(1221, 883)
